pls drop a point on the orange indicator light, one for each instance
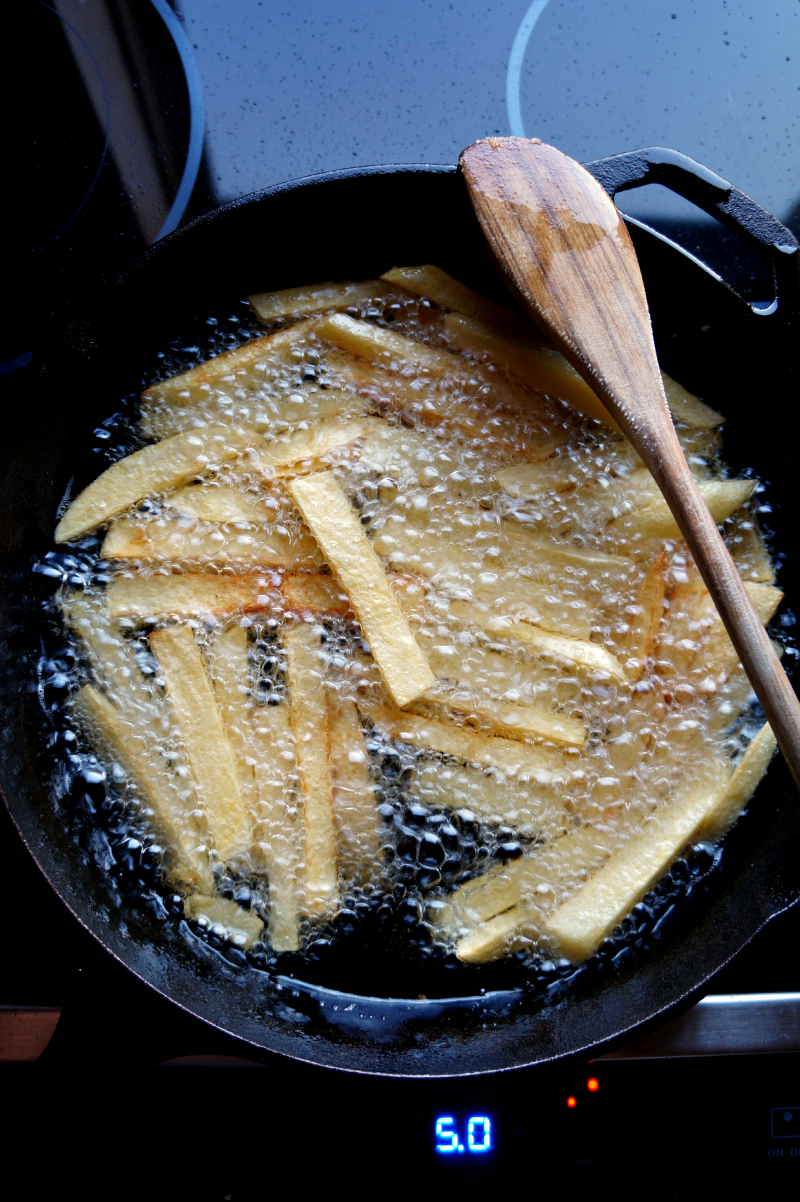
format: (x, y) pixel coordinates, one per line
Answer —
(593, 1085)
(572, 1103)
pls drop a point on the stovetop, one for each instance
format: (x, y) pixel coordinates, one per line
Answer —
(132, 116)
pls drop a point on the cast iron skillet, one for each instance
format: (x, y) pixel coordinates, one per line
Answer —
(355, 224)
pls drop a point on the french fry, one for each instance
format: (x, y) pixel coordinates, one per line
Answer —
(208, 750)
(393, 449)
(181, 389)
(527, 549)
(452, 564)
(278, 831)
(511, 721)
(490, 921)
(526, 805)
(644, 626)
(315, 442)
(314, 298)
(748, 549)
(149, 597)
(309, 717)
(209, 545)
(530, 479)
(480, 899)
(347, 549)
(444, 290)
(110, 656)
(229, 668)
(358, 824)
(162, 417)
(540, 367)
(716, 652)
(163, 465)
(740, 788)
(306, 593)
(723, 497)
(687, 408)
(481, 409)
(242, 927)
(549, 372)
(388, 349)
(122, 741)
(586, 657)
(219, 503)
(506, 754)
(581, 923)
(261, 775)
(488, 674)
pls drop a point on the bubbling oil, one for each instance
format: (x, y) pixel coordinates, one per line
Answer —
(477, 564)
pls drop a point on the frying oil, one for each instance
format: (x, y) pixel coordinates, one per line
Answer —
(472, 560)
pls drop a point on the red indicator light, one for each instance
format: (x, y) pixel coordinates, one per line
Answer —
(593, 1085)
(572, 1103)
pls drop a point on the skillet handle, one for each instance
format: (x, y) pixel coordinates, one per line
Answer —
(715, 196)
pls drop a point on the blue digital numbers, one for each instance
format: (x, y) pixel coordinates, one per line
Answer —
(479, 1135)
(448, 1137)
(479, 1128)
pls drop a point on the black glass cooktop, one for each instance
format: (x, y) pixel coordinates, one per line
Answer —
(126, 117)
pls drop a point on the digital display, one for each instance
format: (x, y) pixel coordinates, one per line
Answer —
(476, 1136)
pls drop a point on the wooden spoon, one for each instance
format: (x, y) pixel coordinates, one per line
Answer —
(564, 248)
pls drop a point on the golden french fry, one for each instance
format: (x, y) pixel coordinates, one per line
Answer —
(110, 656)
(549, 372)
(687, 408)
(123, 742)
(209, 545)
(644, 627)
(749, 551)
(715, 651)
(478, 408)
(506, 754)
(241, 926)
(444, 290)
(586, 657)
(388, 349)
(511, 721)
(740, 788)
(723, 497)
(528, 550)
(219, 503)
(312, 443)
(334, 523)
(309, 717)
(358, 824)
(163, 465)
(182, 388)
(581, 923)
(530, 479)
(208, 750)
(229, 668)
(488, 922)
(306, 593)
(262, 774)
(480, 899)
(314, 298)
(498, 583)
(140, 596)
(540, 367)
(162, 417)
